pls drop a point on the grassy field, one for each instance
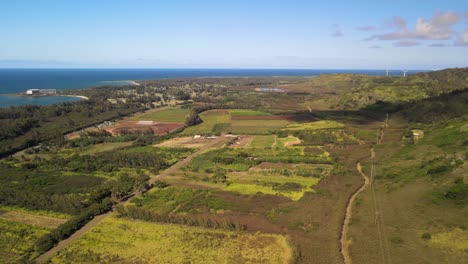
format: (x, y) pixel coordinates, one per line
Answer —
(247, 112)
(173, 114)
(292, 187)
(263, 141)
(17, 240)
(318, 125)
(124, 241)
(256, 127)
(420, 196)
(214, 122)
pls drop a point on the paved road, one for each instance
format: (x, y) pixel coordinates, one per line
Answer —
(218, 142)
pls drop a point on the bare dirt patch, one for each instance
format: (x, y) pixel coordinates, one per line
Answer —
(157, 128)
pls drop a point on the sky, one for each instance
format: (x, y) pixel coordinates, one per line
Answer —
(302, 34)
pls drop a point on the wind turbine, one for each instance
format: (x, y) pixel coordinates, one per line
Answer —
(404, 72)
(388, 72)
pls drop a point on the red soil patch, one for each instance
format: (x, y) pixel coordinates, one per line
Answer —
(272, 117)
(132, 127)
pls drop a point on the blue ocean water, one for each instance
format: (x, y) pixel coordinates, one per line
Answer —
(13, 81)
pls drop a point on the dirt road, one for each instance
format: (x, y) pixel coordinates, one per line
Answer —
(368, 181)
(218, 142)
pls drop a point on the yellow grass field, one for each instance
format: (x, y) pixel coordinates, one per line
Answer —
(123, 241)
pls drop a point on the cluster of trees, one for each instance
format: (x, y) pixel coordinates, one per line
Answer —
(110, 161)
(208, 221)
(25, 126)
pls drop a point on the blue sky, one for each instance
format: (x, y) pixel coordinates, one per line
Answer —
(234, 34)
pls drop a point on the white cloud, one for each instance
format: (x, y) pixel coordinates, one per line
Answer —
(462, 39)
(375, 47)
(439, 27)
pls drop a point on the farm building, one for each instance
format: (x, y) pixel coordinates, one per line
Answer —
(32, 92)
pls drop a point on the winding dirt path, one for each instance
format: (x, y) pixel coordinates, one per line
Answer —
(348, 215)
(98, 219)
(368, 181)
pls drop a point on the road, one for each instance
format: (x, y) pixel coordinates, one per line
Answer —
(218, 142)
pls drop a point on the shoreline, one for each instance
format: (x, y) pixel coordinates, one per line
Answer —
(77, 96)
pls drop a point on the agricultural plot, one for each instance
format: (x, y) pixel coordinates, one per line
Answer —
(318, 125)
(292, 187)
(172, 114)
(230, 159)
(214, 122)
(263, 141)
(288, 172)
(121, 240)
(258, 126)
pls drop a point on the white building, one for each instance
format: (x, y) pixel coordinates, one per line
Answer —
(32, 91)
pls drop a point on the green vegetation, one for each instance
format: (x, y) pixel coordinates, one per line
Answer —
(455, 240)
(414, 210)
(257, 127)
(156, 243)
(292, 187)
(17, 241)
(263, 141)
(180, 200)
(229, 159)
(318, 125)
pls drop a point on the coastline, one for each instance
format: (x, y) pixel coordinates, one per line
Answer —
(77, 96)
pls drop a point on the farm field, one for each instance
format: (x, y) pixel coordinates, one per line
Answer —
(171, 114)
(214, 122)
(292, 187)
(257, 126)
(241, 121)
(167, 243)
(263, 141)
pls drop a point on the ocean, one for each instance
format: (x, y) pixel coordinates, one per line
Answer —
(15, 81)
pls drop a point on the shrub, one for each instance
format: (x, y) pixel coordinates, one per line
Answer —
(426, 236)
